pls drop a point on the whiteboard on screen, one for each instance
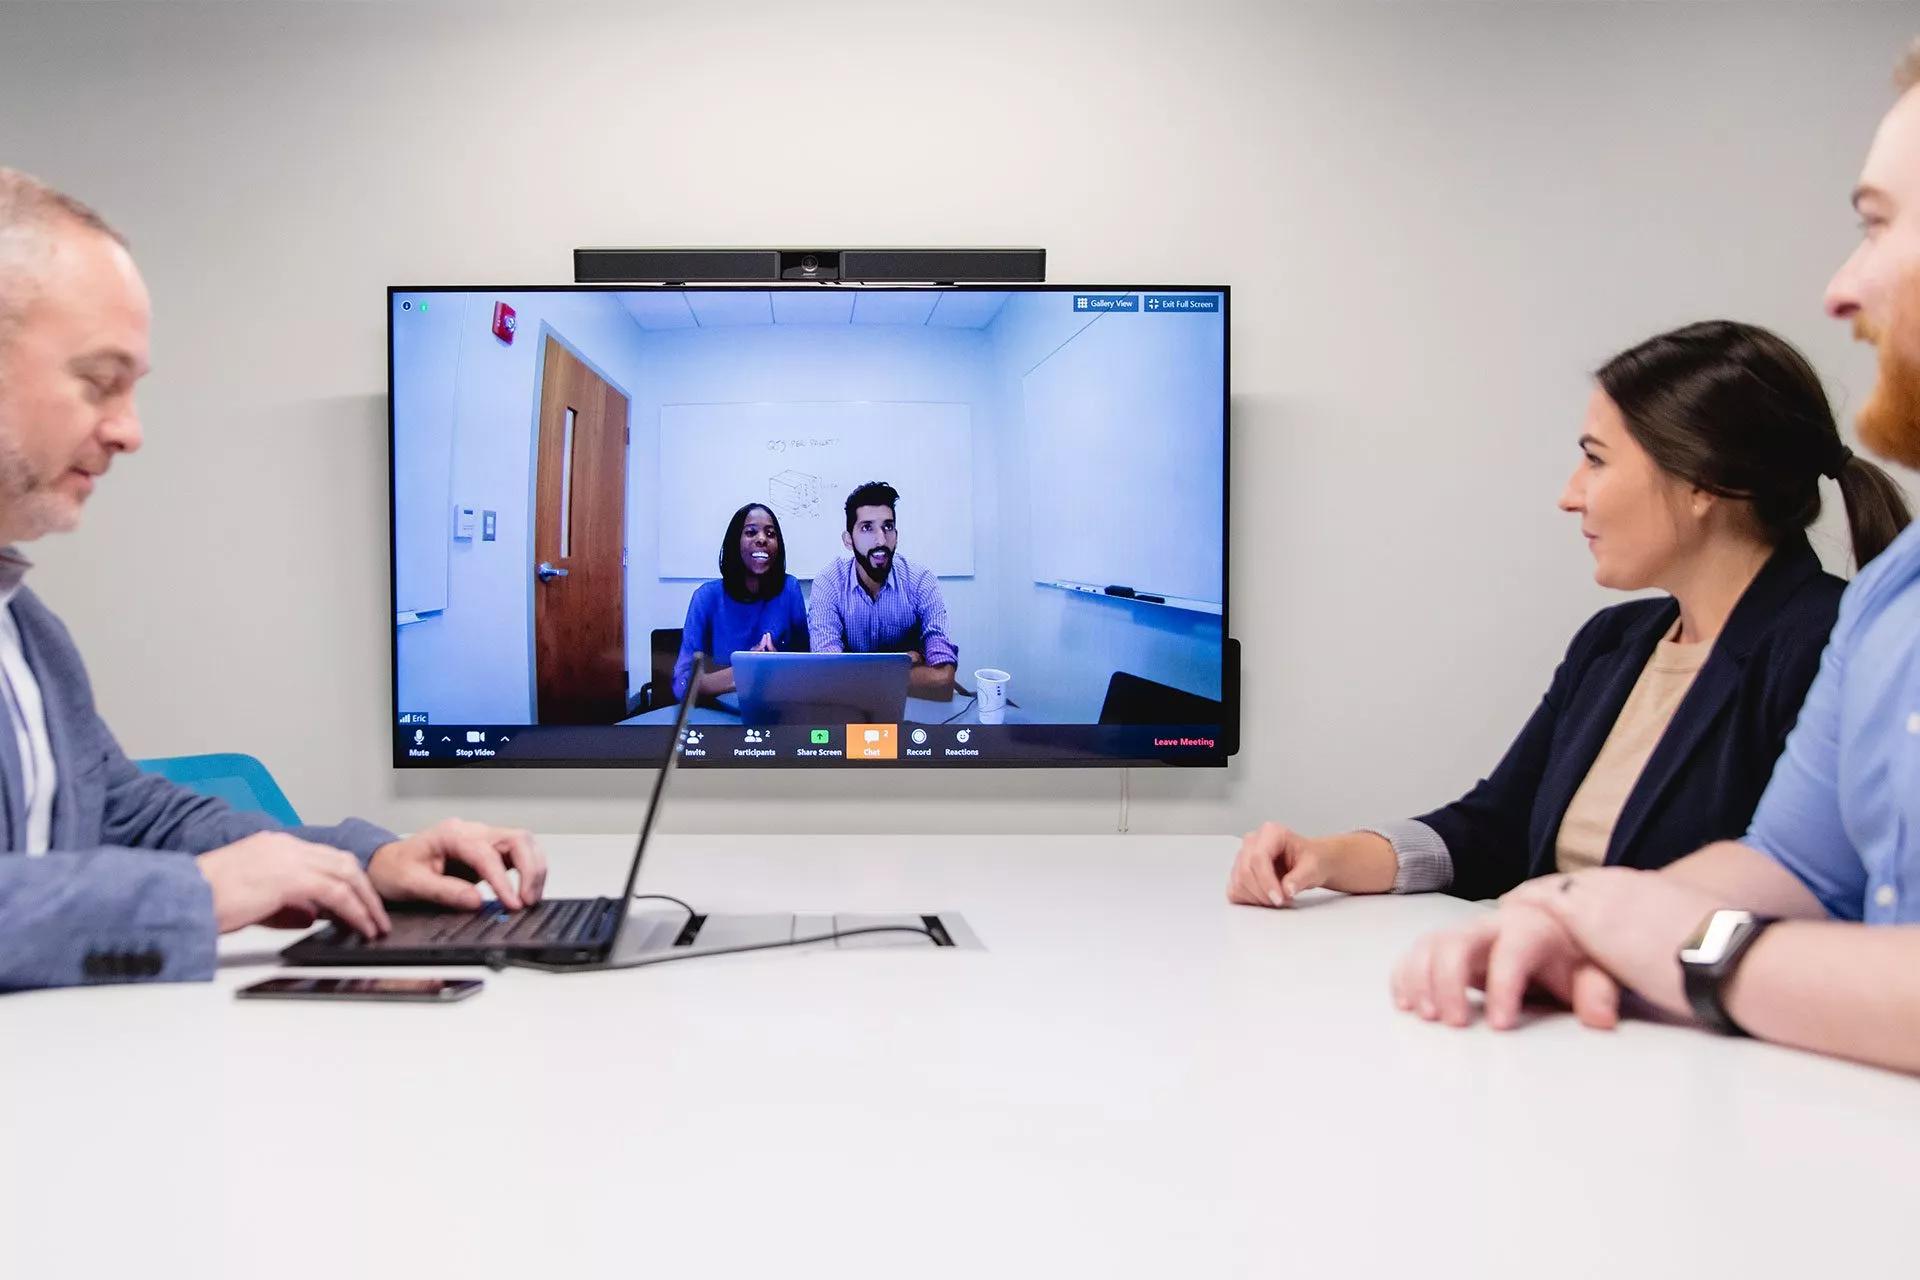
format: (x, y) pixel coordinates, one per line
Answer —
(1126, 449)
(803, 460)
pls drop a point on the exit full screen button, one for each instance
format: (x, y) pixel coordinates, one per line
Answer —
(1188, 302)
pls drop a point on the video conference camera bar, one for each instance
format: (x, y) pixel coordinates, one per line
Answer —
(826, 266)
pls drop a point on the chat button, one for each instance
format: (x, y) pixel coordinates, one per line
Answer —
(872, 742)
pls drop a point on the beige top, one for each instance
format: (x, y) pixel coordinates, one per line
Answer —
(1588, 825)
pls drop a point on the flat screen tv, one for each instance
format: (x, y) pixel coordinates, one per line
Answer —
(943, 527)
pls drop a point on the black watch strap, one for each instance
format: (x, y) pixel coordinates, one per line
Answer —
(1706, 984)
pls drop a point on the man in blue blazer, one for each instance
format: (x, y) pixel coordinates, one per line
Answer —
(109, 874)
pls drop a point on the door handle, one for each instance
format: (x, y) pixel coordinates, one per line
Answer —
(547, 573)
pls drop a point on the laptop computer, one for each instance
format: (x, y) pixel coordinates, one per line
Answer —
(554, 931)
(821, 688)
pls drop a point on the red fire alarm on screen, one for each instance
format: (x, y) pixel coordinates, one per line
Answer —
(503, 322)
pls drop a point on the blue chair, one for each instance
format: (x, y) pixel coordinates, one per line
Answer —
(240, 780)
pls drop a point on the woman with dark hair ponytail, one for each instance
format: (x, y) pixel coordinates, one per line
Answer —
(1702, 454)
(1736, 412)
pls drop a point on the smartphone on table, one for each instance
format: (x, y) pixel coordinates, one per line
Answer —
(416, 990)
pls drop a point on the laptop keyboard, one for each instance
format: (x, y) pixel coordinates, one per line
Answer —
(558, 921)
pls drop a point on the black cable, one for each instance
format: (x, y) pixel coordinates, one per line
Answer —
(970, 695)
(666, 897)
(676, 953)
(971, 699)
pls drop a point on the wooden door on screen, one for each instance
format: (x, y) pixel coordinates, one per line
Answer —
(580, 505)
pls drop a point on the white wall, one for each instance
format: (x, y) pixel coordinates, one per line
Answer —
(1436, 218)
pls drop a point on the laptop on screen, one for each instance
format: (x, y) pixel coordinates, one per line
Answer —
(821, 688)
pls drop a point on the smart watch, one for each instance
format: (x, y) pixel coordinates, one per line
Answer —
(1709, 958)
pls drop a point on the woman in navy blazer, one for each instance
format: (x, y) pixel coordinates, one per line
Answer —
(1701, 456)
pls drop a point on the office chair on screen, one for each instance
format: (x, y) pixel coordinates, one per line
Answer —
(658, 690)
(1135, 699)
(240, 780)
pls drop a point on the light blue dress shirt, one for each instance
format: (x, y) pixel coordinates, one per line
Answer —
(1842, 811)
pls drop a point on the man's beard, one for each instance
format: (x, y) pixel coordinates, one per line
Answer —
(28, 509)
(879, 574)
(1890, 420)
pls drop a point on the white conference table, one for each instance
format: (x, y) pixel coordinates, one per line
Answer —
(1133, 1079)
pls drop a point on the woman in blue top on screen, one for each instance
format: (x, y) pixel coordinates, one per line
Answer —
(756, 604)
(1701, 455)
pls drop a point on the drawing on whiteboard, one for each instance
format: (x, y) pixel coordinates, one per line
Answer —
(794, 493)
(800, 460)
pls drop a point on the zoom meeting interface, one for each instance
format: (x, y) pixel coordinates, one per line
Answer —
(940, 527)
